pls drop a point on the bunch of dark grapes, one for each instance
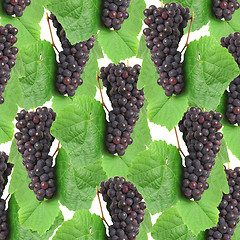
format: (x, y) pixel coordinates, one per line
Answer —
(165, 29)
(126, 208)
(225, 8)
(72, 61)
(229, 209)
(114, 13)
(7, 55)
(15, 6)
(34, 141)
(5, 171)
(126, 99)
(203, 141)
(232, 43)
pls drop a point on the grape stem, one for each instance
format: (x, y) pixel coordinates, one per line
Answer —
(228, 165)
(127, 63)
(58, 148)
(178, 143)
(103, 104)
(7, 197)
(162, 4)
(187, 42)
(53, 44)
(103, 218)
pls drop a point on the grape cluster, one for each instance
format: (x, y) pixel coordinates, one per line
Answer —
(229, 209)
(165, 29)
(232, 43)
(200, 132)
(126, 208)
(225, 8)
(34, 141)
(127, 100)
(72, 61)
(5, 171)
(114, 13)
(7, 55)
(15, 6)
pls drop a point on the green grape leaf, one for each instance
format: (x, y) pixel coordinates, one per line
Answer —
(171, 226)
(223, 154)
(142, 49)
(205, 209)
(59, 102)
(33, 214)
(134, 23)
(80, 19)
(156, 173)
(126, 42)
(40, 66)
(9, 109)
(77, 184)
(83, 225)
(14, 154)
(89, 86)
(19, 69)
(146, 225)
(162, 110)
(126, 38)
(80, 128)
(232, 136)
(97, 50)
(119, 165)
(18, 232)
(209, 70)
(219, 28)
(27, 25)
(202, 11)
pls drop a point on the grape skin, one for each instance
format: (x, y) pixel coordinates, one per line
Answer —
(15, 7)
(126, 99)
(165, 29)
(34, 141)
(114, 13)
(5, 171)
(229, 209)
(224, 9)
(232, 43)
(200, 132)
(72, 61)
(7, 55)
(126, 208)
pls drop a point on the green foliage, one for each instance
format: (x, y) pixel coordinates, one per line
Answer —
(162, 110)
(202, 11)
(83, 225)
(77, 183)
(76, 16)
(171, 226)
(31, 212)
(18, 232)
(203, 214)
(156, 173)
(209, 69)
(119, 165)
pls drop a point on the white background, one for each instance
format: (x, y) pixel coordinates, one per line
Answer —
(157, 132)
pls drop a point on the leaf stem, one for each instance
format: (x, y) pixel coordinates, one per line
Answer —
(7, 197)
(58, 148)
(162, 4)
(178, 143)
(103, 104)
(103, 218)
(187, 42)
(53, 44)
